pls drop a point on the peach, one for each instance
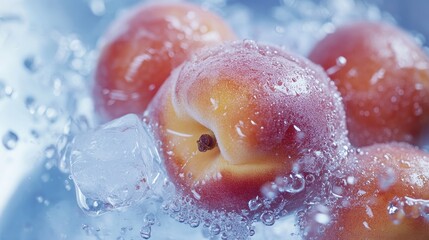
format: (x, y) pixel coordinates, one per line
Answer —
(389, 199)
(142, 48)
(383, 76)
(237, 116)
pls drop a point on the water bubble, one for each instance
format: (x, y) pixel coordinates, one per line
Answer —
(145, 232)
(10, 140)
(150, 218)
(91, 206)
(180, 217)
(30, 104)
(41, 110)
(214, 229)
(174, 206)
(34, 133)
(309, 178)
(250, 44)
(51, 114)
(268, 218)
(31, 63)
(67, 185)
(8, 91)
(293, 183)
(64, 153)
(338, 187)
(194, 221)
(254, 204)
(341, 61)
(50, 151)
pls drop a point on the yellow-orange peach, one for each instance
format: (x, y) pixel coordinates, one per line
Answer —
(389, 199)
(383, 76)
(142, 48)
(236, 116)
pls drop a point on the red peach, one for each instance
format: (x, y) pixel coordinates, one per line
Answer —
(142, 48)
(237, 116)
(389, 199)
(383, 76)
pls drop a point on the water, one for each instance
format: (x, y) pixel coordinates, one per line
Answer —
(48, 53)
(9, 140)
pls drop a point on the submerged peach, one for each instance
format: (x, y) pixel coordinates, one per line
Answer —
(142, 48)
(383, 76)
(242, 114)
(388, 198)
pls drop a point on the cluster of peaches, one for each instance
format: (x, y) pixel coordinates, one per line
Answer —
(233, 116)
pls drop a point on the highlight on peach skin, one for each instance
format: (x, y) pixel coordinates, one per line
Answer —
(143, 46)
(241, 115)
(383, 76)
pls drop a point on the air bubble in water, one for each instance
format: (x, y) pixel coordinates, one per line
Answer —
(145, 232)
(341, 61)
(268, 218)
(214, 229)
(50, 151)
(150, 219)
(8, 91)
(194, 221)
(91, 206)
(51, 114)
(98, 7)
(10, 140)
(30, 104)
(293, 183)
(310, 178)
(31, 63)
(254, 204)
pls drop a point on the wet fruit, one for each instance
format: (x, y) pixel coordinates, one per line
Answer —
(240, 115)
(383, 76)
(142, 48)
(387, 199)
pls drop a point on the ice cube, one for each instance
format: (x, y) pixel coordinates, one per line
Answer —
(116, 165)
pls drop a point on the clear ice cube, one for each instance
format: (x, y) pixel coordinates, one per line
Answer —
(116, 165)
